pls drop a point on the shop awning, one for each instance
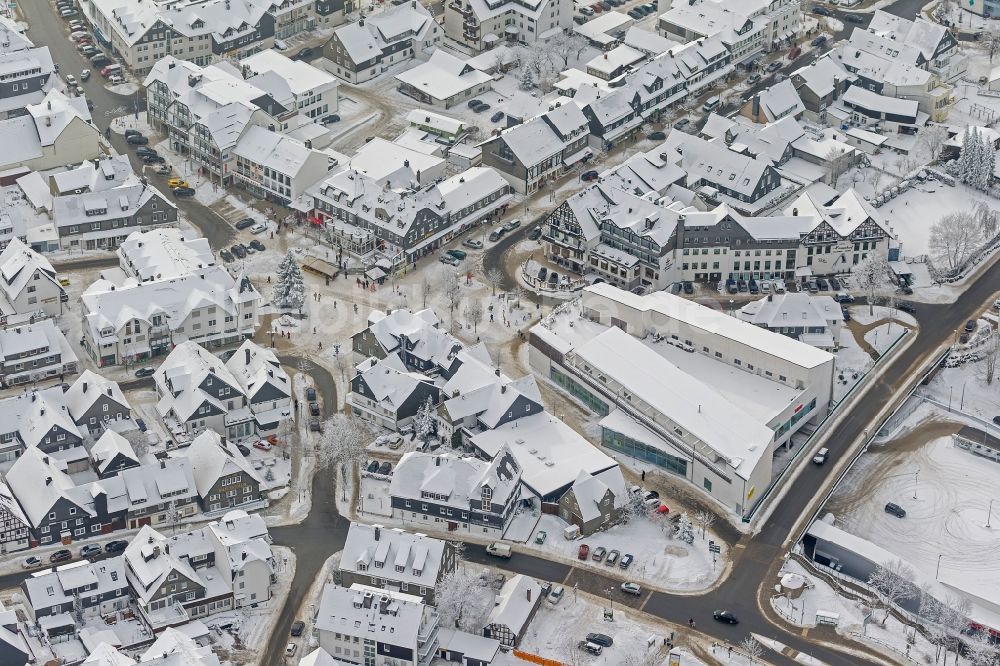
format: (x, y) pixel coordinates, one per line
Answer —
(577, 156)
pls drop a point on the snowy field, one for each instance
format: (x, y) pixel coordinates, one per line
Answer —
(882, 337)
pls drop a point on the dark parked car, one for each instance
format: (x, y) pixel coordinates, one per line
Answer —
(682, 123)
(535, 233)
(725, 616)
(144, 372)
(657, 136)
(819, 41)
(137, 140)
(372, 466)
(822, 11)
(752, 285)
(731, 286)
(244, 450)
(473, 103)
(132, 132)
(753, 78)
(496, 117)
(543, 273)
(823, 284)
(257, 245)
(153, 159)
(239, 250)
(854, 18)
(970, 326)
(297, 627)
(304, 53)
(588, 176)
(895, 510)
(636, 14)
(311, 394)
(741, 285)
(481, 108)
(688, 287)
(115, 546)
(907, 307)
(601, 639)
(142, 151)
(846, 313)
(626, 561)
(313, 409)
(141, 425)
(61, 556)
(996, 419)
(774, 66)
(834, 284)
(226, 255)
(332, 118)
(183, 191)
(245, 223)
(384, 468)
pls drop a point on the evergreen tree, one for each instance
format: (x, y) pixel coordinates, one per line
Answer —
(963, 158)
(527, 79)
(289, 288)
(987, 162)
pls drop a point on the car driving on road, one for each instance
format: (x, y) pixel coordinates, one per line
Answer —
(725, 616)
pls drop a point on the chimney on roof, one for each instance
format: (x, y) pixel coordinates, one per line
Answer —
(437, 461)
(795, 212)
(48, 480)
(247, 350)
(85, 387)
(48, 104)
(109, 391)
(770, 297)
(378, 532)
(528, 591)
(48, 121)
(406, 163)
(244, 553)
(163, 463)
(503, 388)
(756, 105)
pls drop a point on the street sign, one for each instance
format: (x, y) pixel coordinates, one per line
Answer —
(712, 548)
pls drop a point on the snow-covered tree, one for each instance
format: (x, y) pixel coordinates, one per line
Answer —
(934, 137)
(424, 422)
(987, 163)
(871, 275)
(705, 520)
(474, 314)
(289, 287)
(452, 288)
(462, 600)
(965, 156)
(527, 80)
(954, 238)
(426, 287)
(991, 355)
(139, 441)
(343, 444)
(685, 530)
(893, 581)
(566, 45)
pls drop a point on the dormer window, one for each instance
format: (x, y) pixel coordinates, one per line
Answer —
(487, 495)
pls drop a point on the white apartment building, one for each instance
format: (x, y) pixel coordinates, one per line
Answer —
(748, 28)
(293, 83)
(483, 24)
(277, 167)
(161, 254)
(28, 283)
(134, 322)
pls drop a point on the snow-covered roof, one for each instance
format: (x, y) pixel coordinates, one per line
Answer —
(390, 382)
(274, 150)
(255, 367)
(38, 483)
(459, 480)
(781, 100)
(109, 446)
(848, 212)
(550, 453)
(160, 254)
(29, 339)
(604, 25)
(54, 114)
(694, 406)
(590, 489)
(516, 601)
(443, 76)
(918, 33)
(364, 40)
(821, 76)
(472, 647)
(379, 159)
(647, 41)
(371, 614)
(55, 587)
(181, 376)
(18, 266)
(793, 309)
(211, 459)
(298, 75)
(407, 557)
(867, 99)
(436, 121)
(532, 142)
(87, 388)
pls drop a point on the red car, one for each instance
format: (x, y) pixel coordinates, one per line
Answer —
(584, 551)
(262, 445)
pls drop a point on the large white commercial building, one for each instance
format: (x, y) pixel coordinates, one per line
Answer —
(701, 394)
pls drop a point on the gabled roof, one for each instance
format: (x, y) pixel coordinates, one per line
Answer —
(38, 483)
(389, 381)
(590, 489)
(460, 480)
(109, 446)
(517, 599)
(45, 411)
(87, 388)
(18, 265)
(255, 366)
(404, 556)
(54, 114)
(211, 459)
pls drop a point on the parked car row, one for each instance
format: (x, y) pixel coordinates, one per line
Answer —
(65, 555)
(610, 558)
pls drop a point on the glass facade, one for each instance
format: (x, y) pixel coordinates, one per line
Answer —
(636, 449)
(593, 403)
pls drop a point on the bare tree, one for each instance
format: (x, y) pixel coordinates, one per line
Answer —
(953, 239)
(752, 647)
(990, 40)
(426, 287)
(452, 288)
(981, 650)
(875, 177)
(139, 441)
(837, 159)
(893, 581)
(474, 314)
(704, 519)
(871, 275)
(564, 45)
(494, 278)
(519, 293)
(987, 218)
(343, 443)
(934, 137)
(343, 364)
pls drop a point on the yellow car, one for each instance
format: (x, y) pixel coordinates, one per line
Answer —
(177, 182)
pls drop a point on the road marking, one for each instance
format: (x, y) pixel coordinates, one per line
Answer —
(740, 546)
(642, 606)
(805, 632)
(565, 581)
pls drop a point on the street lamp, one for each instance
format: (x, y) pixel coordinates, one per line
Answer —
(915, 476)
(938, 570)
(989, 512)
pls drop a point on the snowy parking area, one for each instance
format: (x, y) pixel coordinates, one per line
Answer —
(660, 560)
(946, 493)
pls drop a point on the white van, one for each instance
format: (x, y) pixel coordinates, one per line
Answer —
(711, 104)
(497, 549)
(280, 45)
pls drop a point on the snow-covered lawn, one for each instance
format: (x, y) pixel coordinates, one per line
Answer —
(862, 314)
(883, 337)
(965, 389)
(851, 360)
